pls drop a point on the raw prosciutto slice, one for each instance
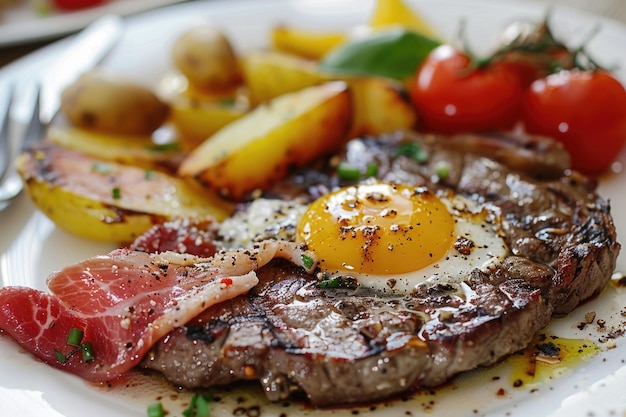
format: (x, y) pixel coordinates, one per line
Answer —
(195, 237)
(127, 300)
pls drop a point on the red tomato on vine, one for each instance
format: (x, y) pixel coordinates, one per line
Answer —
(584, 110)
(452, 95)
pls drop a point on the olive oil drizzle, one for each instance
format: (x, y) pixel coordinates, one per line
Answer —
(547, 358)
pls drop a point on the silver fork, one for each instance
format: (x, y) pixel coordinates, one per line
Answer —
(14, 140)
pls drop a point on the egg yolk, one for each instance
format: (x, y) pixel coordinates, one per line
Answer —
(378, 229)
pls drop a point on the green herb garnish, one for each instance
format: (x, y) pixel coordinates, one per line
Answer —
(75, 338)
(348, 172)
(156, 410)
(165, 147)
(307, 261)
(149, 174)
(442, 169)
(101, 168)
(199, 406)
(413, 151)
(87, 350)
(116, 193)
(338, 281)
(394, 53)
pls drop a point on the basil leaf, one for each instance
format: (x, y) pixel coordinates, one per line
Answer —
(395, 54)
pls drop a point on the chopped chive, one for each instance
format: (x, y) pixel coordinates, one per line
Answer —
(442, 169)
(202, 407)
(413, 151)
(307, 261)
(101, 168)
(149, 174)
(61, 358)
(165, 147)
(371, 170)
(116, 193)
(347, 171)
(199, 406)
(338, 281)
(156, 410)
(227, 102)
(329, 283)
(87, 350)
(75, 337)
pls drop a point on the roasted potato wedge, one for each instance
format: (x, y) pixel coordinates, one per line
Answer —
(380, 106)
(269, 74)
(138, 150)
(306, 43)
(107, 201)
(197, 114)
(258, 148)
(196, 121)
(196, 118)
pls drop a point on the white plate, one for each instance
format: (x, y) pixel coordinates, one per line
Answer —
(31, 247)
(22, 24)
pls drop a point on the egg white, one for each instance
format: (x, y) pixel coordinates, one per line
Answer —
(476, 231)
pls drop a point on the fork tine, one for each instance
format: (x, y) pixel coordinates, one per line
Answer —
(5, 145)
(35, 129)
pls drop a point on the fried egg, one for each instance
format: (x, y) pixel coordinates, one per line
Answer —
(387, 237)
(392, 237)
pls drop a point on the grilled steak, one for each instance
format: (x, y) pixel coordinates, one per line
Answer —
(349, 345)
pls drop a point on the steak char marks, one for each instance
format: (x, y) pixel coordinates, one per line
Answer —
(350, 345)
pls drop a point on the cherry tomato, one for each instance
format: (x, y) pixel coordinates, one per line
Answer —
(77, 4)
(586, 111)
(452, 96)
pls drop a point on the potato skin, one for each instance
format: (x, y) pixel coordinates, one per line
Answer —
(106, 201)
(205, 56)
(258, 148)
(109, 103)
(140, 151)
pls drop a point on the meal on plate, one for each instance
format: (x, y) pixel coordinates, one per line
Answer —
(342, 218)
(44, 7)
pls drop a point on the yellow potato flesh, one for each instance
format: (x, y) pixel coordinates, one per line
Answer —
(305, 43)
(269, 74)
(196, 120)
(107, 201)
(133, 150)
(259, 148)
(380, 106)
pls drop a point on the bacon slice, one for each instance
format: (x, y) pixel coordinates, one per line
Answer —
(126, 301)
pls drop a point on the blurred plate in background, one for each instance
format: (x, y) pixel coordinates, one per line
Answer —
(22, 24)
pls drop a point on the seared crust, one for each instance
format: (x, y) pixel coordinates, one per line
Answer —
(347, 346)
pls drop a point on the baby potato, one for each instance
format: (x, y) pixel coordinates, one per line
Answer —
(205, 56)
(109, 103)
